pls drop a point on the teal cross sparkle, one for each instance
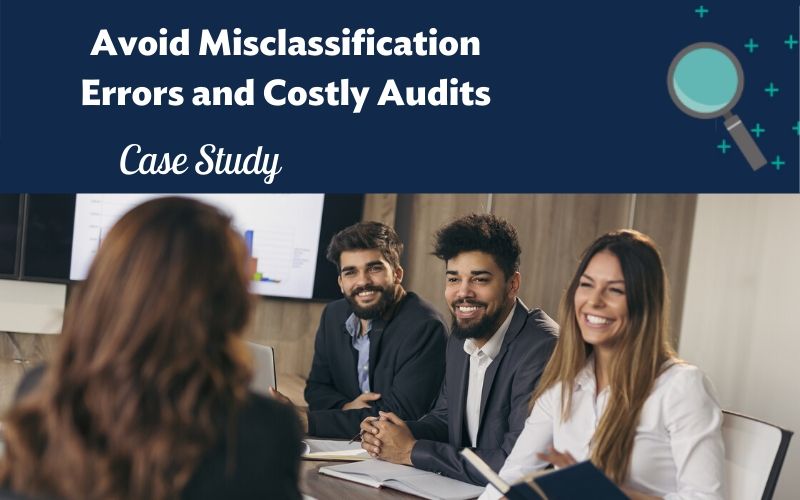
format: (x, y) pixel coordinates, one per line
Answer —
(701, 11)
(751, 45)
(723, 146)
(758, 130)
(796, 127)
(791, 42)
(778, 162)
(772, 89)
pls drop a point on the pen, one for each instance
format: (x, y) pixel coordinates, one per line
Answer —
(357, 436)
(361, 433)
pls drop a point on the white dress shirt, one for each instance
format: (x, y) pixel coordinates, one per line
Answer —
(479, 361)
(677, 451)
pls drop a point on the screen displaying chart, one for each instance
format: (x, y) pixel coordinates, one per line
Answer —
(281, 231)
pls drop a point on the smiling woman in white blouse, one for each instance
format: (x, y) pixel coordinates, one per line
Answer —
(614, 391)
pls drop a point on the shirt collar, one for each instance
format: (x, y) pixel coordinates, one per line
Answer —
(353, 325)
(492, 347)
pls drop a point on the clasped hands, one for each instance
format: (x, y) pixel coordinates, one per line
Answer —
(387, 437)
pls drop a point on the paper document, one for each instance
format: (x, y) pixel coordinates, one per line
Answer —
(331, 449)
(377, 473)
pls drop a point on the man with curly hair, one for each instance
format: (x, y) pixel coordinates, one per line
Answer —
(496, 353)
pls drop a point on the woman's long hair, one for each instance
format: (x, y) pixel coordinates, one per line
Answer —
(150, 368)
(642, 349)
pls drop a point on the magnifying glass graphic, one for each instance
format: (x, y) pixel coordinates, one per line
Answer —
(705, 80)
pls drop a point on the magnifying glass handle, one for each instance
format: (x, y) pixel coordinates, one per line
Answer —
(743, 139)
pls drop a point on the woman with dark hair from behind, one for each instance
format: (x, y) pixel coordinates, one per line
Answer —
(614, 391)
(147, 396)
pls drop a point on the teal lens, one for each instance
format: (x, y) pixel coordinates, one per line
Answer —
(705, 80)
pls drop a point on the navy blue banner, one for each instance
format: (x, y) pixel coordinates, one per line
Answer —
(399, 97)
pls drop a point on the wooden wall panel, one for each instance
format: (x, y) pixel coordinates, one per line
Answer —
(553, 230)
(380, 207)
(418, 218)
(669, 220)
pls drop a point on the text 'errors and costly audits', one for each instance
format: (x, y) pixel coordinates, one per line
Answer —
(279, 92)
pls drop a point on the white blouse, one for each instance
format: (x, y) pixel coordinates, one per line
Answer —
(677, 451)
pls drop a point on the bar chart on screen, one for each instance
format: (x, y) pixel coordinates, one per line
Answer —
(281, 232)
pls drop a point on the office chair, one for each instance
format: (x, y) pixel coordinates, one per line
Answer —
(754, 453)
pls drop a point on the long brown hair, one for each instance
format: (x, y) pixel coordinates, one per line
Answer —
(149, 369)
(643, 348)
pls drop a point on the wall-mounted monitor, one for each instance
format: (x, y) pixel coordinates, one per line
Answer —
(286, 234)
(281, 232)
(47, 237)
(10, 237)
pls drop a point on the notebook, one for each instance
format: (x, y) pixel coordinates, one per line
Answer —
(380, 474)
(579, 481)
(333, 450)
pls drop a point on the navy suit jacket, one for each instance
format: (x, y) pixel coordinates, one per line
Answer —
(507, 389)
(406, 366)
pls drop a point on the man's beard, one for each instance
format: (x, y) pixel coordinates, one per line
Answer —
(483, 329)
(377, 309)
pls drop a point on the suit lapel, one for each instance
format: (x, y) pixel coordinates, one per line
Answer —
(375, 338)
(517, 322)
(349, 359)
(459, 404)
(376, 334)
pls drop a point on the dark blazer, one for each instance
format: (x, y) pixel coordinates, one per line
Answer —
(266, 454)
(507, 389)
(406, 366)
(266, 462)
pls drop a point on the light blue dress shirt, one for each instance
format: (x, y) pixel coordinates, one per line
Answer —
(361, 344)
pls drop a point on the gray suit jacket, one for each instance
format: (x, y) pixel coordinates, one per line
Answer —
(507, 389)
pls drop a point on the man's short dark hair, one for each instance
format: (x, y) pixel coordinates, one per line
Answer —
(366, 236)
(484, 233)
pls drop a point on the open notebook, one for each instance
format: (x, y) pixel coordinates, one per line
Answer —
(377, 473)
(333, 450)
(579, 481)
